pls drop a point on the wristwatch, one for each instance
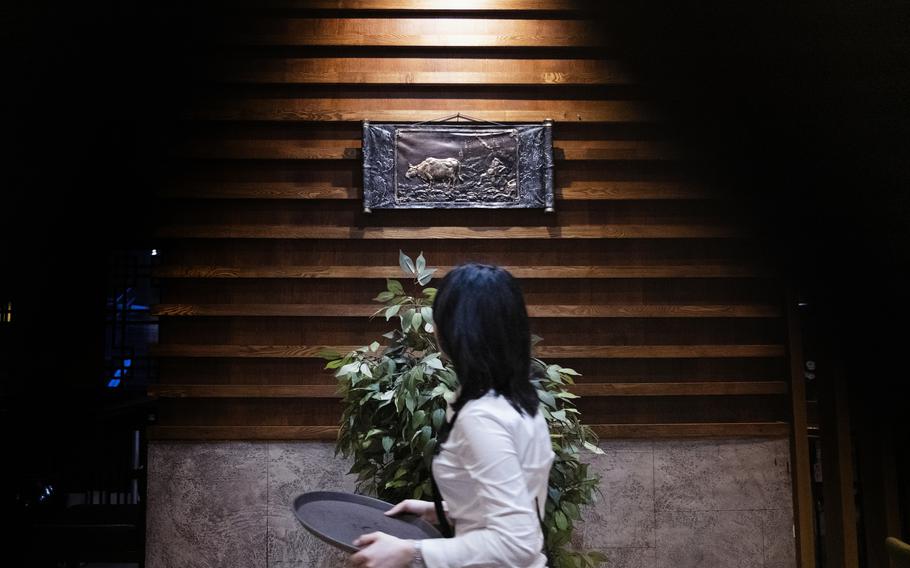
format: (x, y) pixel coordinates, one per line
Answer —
(417, 561)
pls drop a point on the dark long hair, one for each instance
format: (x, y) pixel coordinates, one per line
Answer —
(482, 325)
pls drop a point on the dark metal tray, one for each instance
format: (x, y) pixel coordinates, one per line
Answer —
(338, 518)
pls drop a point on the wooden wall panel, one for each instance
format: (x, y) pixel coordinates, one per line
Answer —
(646, 279)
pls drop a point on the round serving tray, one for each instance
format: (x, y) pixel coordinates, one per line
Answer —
(338, 518)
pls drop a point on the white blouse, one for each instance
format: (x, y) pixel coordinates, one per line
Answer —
(493, 464)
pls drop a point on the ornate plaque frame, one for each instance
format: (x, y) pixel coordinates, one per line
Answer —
(445, 165)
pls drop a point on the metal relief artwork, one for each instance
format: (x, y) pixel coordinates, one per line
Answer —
(445, 165)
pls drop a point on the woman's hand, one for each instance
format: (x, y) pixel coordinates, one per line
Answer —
(426, 510)
(381, 550)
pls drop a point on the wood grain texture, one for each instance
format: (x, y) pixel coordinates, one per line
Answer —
(415, 71)
(629, 231)
(799, 447)
(334, 149)
(552, 351)
(417, 32)
(419, 109)
(646, 280)
(434, 5)
(578, 191)
(693, 430)
(652, 431)
(544, 311)
(712, 388)
(841, 538)
(242, 432)
(526, 272)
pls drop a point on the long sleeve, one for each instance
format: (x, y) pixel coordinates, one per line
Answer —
(510, 532)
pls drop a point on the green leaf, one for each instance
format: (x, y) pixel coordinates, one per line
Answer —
(547, 398)
(571, 510)
(421, 262)
(407, 265)
(329, 354)
(554, 493)
(425, 433)
(416, 320)
(394, 286)
(428, 452)
(384, 296)
(425, 276)
(407, 317)
(561, 521)
(438, 417)
(387, 443)
(565, 394)
(392, 311)
(348, 369)
(429, 292)
(553, 373)
(365, 369)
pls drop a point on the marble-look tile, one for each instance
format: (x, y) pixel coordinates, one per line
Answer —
(625, 557)
(295, 468)
(736, 474)
(779, 542)
(699, 539)
(296, 547)
(229, 504)
(626, 445)
(623, 516)
(206, 505)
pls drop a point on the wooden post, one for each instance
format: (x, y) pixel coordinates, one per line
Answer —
(837, 458)
(799, 448)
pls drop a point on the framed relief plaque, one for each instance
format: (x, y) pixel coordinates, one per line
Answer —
(457, 165)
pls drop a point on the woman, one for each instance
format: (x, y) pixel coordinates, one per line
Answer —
(494, 461)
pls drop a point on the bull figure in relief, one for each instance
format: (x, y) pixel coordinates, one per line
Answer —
(434, 170)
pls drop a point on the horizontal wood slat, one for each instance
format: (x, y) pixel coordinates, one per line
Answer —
(417, 32)
(695, 347)
(416, 71)
(711, 388)
(553, 351)
(534, 311)
(410, 110)
(328, 433)
(323, 433)
(303, 149)
(608, 190)
(623, 231)
(705, 388)
(535, 272)
(435, 5)
(694, 430)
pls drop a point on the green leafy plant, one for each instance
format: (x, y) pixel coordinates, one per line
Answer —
(395, 399)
